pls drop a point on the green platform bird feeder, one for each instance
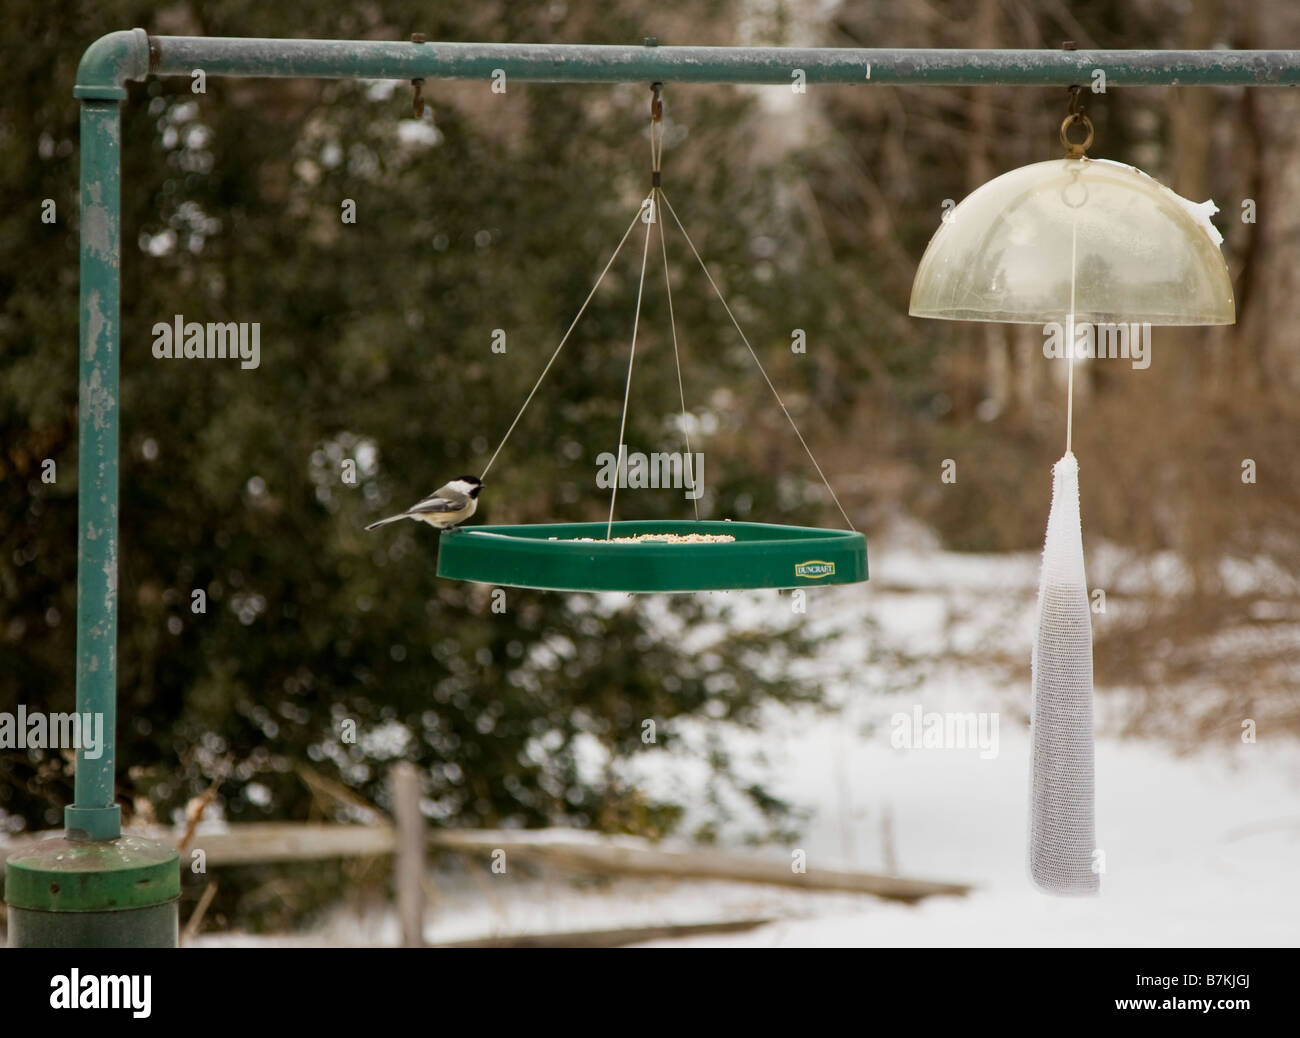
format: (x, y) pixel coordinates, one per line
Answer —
(579, 556)
(655, 555)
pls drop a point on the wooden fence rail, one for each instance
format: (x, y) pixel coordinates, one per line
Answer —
(265, 842)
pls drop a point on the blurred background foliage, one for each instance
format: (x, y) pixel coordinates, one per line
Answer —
(496, 211)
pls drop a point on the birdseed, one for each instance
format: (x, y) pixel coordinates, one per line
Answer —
(664, 538)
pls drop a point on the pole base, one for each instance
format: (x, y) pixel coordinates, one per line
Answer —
(119, 893)
(153, 927)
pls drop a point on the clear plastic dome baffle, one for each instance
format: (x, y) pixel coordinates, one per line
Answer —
(1138, 252)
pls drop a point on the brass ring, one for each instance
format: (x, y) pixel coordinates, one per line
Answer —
(1072, 150)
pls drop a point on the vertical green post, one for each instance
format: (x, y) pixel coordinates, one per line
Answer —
(95, 887)
(94, 815)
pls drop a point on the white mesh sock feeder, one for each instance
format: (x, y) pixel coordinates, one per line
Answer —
(1062, 830)
(1065, 242)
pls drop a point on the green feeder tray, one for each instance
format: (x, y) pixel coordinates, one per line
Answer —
(550, 556)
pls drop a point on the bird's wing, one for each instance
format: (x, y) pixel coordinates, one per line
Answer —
(437, 503)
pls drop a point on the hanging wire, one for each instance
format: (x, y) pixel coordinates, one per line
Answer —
(631, 358)
(656, 162)
(1073, 150)
(656, 122)
(722, 299)
(649, 208)
(657, 201)
(1069, 337)
(681, 390)
(581, 311)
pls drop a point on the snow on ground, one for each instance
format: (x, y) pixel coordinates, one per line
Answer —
(1200, 849)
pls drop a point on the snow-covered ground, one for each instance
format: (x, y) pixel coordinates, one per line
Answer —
(1200, 848)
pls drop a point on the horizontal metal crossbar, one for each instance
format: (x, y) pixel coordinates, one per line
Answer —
(573, 63)
(133, 55)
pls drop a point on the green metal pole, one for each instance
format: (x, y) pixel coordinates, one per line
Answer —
(94, 815)
(94, 887)
(582, 63)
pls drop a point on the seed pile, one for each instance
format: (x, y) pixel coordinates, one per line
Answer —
(665, 538)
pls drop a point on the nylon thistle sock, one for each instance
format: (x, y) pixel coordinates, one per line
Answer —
(1062, 831)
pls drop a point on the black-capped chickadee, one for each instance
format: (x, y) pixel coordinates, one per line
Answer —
(448, 506)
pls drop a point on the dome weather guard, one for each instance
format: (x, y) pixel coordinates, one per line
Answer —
(1121, 244)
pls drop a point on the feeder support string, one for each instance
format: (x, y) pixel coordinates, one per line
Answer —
(656, 124)
(1070, 336)
(1073, 150)
(582, 310)
(743, 338)
(656, 162)
(649, 211)
(681, 391)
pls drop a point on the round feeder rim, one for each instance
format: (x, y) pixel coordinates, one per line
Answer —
(548, 556)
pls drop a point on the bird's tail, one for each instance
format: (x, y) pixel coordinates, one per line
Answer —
(390, 519)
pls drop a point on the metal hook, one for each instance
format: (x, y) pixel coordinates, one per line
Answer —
(1074, 116)
(656, 116)
(417, 98)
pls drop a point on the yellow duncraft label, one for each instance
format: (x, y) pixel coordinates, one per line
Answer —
(814, 569)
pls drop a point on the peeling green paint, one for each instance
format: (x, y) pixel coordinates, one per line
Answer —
(93, 813)
(110, 584)
(96, 324)
(98, 403)
(95, 233)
